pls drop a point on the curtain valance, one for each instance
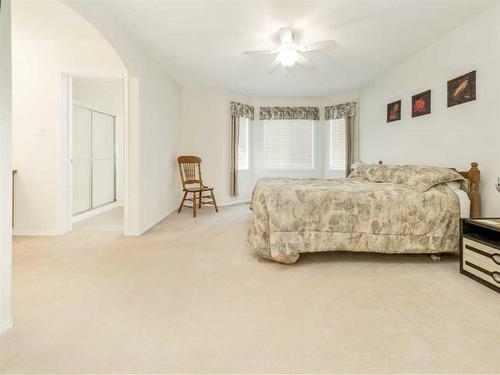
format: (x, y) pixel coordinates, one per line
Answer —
(289, 113)
(333, 112)
(242, 110)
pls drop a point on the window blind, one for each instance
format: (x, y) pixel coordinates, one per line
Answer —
(337, 144)
(243, 149)
(288, 144)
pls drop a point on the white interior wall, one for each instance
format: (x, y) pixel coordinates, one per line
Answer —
(159, 138)
(205, 132)
(5, 167)
(452, 136)
(154, 125)
(59, 40)
(106, 96)
(50, 33)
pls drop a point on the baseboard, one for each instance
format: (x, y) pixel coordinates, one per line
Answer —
(131, 233)
(6, 326)
(234, 203)
(140, 232)
(94, 212)
(16, 232)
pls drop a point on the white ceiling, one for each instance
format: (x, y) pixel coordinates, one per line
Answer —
(200, 43)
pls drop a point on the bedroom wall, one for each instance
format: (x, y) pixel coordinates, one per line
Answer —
(156, 134)
(452, 136)
(154, 122)
(59, 40)
(5, 167)
(205, 132)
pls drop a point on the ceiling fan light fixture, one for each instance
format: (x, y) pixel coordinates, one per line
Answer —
(288, 58)
(290, 52)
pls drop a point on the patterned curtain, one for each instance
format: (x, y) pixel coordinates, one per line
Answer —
(237, 110)
(333, 112)
(289, 113)
(242, 110)
(347, 111)
(235, 134)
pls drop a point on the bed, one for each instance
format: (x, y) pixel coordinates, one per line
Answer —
(378, 208)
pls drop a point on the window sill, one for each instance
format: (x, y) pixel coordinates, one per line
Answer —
(290, 169)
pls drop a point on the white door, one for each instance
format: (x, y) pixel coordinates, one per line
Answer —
(82, 159)
(103, 159)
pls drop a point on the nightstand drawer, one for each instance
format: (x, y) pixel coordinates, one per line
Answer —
(478, 260)
(483, 253)
(480, 251)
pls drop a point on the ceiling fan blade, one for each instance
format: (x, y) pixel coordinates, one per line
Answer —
(305, 63)
(286, 35)
(260, 52)
(274, 66)
(323, 45)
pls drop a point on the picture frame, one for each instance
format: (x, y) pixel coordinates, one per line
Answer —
(394, 111)
(421, 104)
(462, 89)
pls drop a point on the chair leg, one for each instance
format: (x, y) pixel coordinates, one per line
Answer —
(182, 202)
(194, 204)
(200, 200)
(213, 199)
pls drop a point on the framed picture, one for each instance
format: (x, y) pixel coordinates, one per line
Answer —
(462, 89)
(394, 111)
(421, 104)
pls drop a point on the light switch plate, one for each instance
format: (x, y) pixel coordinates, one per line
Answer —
(498, 184)
(39, 132)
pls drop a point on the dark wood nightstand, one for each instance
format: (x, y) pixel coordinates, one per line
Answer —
(480, 251)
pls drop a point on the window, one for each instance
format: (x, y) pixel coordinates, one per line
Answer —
(337, 144)
(288, 144)
(243, 149)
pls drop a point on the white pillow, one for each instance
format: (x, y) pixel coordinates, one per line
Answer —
(455, 185)
(356, 165)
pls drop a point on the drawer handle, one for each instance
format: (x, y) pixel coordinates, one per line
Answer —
(496, 258)
(496, 276)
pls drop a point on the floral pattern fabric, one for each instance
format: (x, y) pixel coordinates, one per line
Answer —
(334, 112)
(242, 110)
(418, 177)
(294, 216)
(289, 113)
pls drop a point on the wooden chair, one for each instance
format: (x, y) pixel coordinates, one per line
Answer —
(190, 169)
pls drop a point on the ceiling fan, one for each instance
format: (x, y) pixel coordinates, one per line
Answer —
(290, 52)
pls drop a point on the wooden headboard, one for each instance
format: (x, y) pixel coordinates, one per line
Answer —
(473, 175)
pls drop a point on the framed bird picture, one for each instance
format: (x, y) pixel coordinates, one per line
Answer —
(421, 104)
(394, 111)
(462, 89)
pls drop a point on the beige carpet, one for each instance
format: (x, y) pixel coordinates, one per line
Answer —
(190, 296)
(109, 221)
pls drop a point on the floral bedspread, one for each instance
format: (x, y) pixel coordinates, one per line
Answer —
(294, 216)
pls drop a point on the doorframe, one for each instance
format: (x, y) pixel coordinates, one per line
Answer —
(65, 176)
